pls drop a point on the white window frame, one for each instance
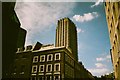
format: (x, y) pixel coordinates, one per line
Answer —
(34, 59)
(50, 77)
(48, 57)
(55, 66)
(47, 68)
(41, 58)
(40, 68)
(33, 69)
(58, 77)
(56, 56)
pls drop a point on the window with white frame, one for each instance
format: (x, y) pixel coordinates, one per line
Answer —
(35, 59)
(42, 58)
(48, 77)
(49, 57)
(49, 68)
(41, 68)
(57, 56)
(57, 67)
(34, 69)
(57, 77)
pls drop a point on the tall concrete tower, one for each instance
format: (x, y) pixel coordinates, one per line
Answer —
(66, 35)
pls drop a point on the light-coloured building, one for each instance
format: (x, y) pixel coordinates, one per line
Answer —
(112, 10)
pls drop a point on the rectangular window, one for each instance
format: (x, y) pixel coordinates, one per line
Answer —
(48, 77)
(34, 69)
(21, 49)
(41, 68)
(35, 59)
(49, 67)
(49, 57)
(57, 67)
(56, 77)
(57, 56)
(28, 47)
(42, 58)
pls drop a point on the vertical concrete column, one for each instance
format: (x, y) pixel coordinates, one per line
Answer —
(62, 32)
(59, 34)
(56, 43)
(65, 32)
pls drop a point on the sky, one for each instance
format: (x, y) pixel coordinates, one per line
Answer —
(40, 21)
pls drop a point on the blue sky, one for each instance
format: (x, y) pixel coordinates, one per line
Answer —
(40, 21)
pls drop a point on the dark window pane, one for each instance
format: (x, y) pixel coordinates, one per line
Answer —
(49, 67)
(57, 67)
(49, 58)
(57, 56)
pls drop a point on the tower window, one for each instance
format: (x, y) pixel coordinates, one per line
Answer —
(42, 58)
(34, 69)
(49, 57)
(57, 56)
(35, 59)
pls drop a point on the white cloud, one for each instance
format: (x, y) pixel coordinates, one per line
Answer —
(37, 17)
(97, 3)
(105, 58)
(100, 59)
(79, 30)
(99, 71)
(85, 17)
(100, 65)
(108, 56)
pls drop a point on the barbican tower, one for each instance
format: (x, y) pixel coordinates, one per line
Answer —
(66, 35)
